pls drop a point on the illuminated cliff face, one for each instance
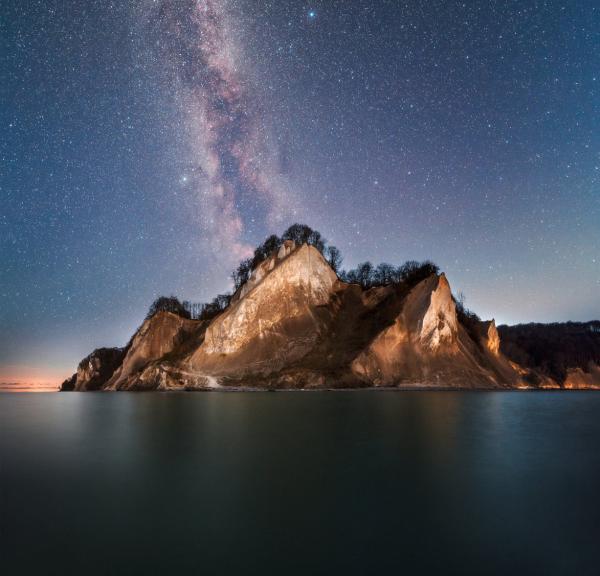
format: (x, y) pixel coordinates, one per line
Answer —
(157, 337)
(427, 327)
(284, 288)
(491, 338)
(432, 301)
(427, 345)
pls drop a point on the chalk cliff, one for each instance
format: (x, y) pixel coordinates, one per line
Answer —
(294, 324)
(275, 321)
(161, 335)
(426, 345)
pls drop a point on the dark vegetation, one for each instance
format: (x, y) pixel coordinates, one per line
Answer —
(215, 307)
(189, 310)
(168, 304)
(470, 321)
(552, 348)
(366, 274)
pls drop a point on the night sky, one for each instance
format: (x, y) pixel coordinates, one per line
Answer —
(148, 145)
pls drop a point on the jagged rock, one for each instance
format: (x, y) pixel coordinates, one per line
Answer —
(264, 268)
(432, 308)
(94, 370)
(158, 336)
(69, 384)
(427, 346)
(286, 249)
(490, 337)
(578, 379)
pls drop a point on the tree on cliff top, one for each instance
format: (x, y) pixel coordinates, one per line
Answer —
(168, 304)
(303, 234)
(300, 234)
(410, 273)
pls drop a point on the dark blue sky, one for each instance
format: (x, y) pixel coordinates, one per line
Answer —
(146, 145)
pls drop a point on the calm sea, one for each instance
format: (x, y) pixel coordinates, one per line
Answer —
(300, 483)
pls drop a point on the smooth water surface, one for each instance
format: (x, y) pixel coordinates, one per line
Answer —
(300, 483)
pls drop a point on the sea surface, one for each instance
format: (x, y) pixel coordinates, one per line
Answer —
(359, 482)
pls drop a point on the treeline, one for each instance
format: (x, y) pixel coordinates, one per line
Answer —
(189, 310)
(552, 348)
(365, 274)
(300, 234)
(368, 276)
(468, 318)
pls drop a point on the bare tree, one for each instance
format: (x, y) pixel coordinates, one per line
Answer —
(334, 257)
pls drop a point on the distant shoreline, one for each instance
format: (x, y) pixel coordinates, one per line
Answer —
(18, 387)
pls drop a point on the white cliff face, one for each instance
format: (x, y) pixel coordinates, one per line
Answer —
(265, 267)
(284, 288)
(439, 326)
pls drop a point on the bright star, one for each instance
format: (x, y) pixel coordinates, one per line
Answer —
(312, 14)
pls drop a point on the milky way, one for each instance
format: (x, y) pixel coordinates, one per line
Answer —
(232, 167)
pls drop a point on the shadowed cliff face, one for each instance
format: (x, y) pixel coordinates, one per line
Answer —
(94, 370)
(294, 324)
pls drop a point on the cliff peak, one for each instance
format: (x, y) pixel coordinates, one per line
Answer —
(439, 323)
(281, 291)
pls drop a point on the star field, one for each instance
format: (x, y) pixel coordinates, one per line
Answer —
(149, 145)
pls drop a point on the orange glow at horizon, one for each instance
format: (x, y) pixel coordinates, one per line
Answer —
(32, 375)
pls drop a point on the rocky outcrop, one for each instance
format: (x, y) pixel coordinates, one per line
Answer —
(431, 314)
(579, 379)
(264, 268)
(161, 335)
(69, 384)
(490, 337)
(426, 345)
(95, 370)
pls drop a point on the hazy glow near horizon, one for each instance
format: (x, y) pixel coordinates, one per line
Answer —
(149, 145)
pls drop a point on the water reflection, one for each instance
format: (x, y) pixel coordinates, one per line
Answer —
(332, 482)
